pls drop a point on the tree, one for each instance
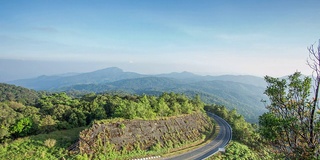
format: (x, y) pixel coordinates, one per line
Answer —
(199, 105)
(161, 108)
(22, 127)
(238, 151)
(77, 118)
(292, 125)
(289, 116)
(314, 64)
(48, 124)
(242, 131)
(8, 117)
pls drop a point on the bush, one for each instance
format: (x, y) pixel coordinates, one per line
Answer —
(50, 143)
(122, 126)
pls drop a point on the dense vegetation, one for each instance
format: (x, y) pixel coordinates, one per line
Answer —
(291, 125)
(246, 140)
(51, 145)
(18, 94)
(59, 111)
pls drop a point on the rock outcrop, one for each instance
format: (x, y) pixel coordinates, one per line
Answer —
(127, 135)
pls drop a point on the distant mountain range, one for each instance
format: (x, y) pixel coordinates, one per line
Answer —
(241, 92)
(115, 74)
(57, 81)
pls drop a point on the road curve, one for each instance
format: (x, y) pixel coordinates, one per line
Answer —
(223, 138)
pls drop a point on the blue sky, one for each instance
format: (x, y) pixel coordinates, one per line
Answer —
(203, 36)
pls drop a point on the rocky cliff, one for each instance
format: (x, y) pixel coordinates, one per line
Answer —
(120, 134)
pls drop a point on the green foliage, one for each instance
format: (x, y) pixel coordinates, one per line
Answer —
(270, 126)
(291, 125)
(76, 118)
(8, 118)
(40, 146)
(59, 111)
(238, 151)
(22, 127)
(94, 106)
(122, 126)
(149, 107)
(246, 140)
(161, 108)
(50, 143)
(242, 131)
(156, 147)
(48, 124)
(18, 94)
(49, 104)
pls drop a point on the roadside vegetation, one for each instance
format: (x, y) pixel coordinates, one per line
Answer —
(47, 125)
(246, 141)
(59, 111)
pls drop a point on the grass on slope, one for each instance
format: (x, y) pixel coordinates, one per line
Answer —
(40, 146)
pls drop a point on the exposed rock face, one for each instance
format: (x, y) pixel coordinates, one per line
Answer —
(129, 134)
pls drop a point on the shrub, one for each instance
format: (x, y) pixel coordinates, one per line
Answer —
(50, 143)
(122, 126)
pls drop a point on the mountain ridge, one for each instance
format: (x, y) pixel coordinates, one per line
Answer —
(112, 74)
(51, 82)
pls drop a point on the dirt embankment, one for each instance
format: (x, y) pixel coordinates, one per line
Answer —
(129, 134)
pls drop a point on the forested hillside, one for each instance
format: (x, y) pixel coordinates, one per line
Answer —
(243, 97)
(18, 94)
(59, 111)
(51, 113)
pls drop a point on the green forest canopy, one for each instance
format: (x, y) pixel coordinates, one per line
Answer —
(50, 112)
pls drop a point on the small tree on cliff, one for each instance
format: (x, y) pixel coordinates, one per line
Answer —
(292, 124)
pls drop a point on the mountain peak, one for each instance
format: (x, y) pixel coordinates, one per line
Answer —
(187, 73)
(110, 70)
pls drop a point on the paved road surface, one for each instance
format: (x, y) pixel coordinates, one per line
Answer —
(223, 138)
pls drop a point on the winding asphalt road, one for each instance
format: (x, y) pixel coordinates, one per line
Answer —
(223, 138)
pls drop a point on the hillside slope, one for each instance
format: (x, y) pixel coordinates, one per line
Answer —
(243, 97)
(19, 94)
(128, 135)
